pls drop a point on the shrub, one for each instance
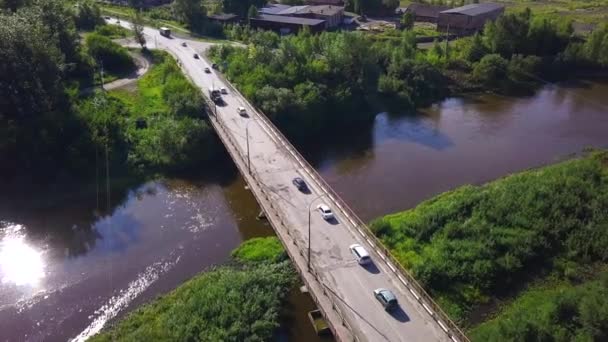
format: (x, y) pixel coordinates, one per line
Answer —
(260, 249)
(114, 57)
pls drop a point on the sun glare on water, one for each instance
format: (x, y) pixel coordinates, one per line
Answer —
(20, 263)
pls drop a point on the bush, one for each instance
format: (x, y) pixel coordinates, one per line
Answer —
(260, 249)
(113, 31)
(225, 304)
(491, 70)
(114, 57)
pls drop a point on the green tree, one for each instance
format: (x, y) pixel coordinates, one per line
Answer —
(114, 57)
(252, 12)
(88, 15)
(475, 50)
(407, 20)
(190, 12)
(13, 5)
(137, 25)
(491, 70)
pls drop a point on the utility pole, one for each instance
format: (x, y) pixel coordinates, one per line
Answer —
(447, 40)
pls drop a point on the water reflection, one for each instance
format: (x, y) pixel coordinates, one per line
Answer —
(415, 129)
(20, 263)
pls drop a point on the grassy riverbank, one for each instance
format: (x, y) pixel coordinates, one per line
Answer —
(241, 302)
(476, 246)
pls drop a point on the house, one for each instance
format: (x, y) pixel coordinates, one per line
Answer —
(224, 18)
(325, 2)
(424, 12)
(286, 24)
(332, 15)
(468, 19)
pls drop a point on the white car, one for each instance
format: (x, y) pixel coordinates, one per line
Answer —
(242, 111)
(223, 90)
(325, 212)
(360, 254)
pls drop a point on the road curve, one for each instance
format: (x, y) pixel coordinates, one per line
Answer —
(273, 167)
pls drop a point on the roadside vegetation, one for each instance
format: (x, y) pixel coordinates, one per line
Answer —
(241, 302)
(260, 249)
(49, 129)
(478, 244)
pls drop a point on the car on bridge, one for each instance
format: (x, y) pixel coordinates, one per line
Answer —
(195, 56)
(300, 184)
(223, 90)
(325, 211)
(386, 298)
(207, 70)
(184, 44)
(360, 254)
(242, 111)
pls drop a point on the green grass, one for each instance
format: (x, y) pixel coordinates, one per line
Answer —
(478, 242)
(552, 312)
(241, 302)
(260, 249)
(113, 31)
(148, 99)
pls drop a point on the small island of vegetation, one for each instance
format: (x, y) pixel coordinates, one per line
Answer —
(239, 302)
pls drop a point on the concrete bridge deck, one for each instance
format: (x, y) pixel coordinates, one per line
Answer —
(341, 287)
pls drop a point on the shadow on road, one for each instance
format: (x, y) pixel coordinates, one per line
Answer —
(399, 315)
(333, 221)
(371, 268)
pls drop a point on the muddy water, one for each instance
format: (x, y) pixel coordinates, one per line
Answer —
(68, 265)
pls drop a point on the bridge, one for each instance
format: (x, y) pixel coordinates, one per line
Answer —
(342, 289)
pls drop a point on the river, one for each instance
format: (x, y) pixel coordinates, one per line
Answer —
(69, 264)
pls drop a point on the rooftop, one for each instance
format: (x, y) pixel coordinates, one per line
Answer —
(425, 10)
(475, 9)
(288, 20)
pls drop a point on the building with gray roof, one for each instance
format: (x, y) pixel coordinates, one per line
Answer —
(468, 19)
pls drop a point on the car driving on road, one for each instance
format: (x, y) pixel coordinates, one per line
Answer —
(326, 213)
(360, 254)
(207, 70)
(300, 184)
(184, 44)
(386, 298)
(223, 90)
(242, 111)
(196, 56)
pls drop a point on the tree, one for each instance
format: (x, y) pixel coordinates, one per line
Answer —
(113, 56)
(475, 50)
(252, 12)
(13, 5)
(407, 20)
(190, 12)
(88, 15)
(137, 24)
(491, 70)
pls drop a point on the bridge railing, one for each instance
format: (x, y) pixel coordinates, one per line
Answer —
(271, 211)
(417, 291)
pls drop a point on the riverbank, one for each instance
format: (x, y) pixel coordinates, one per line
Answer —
(239, 302)
(474, 246)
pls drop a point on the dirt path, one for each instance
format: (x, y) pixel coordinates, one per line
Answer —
(143, 65)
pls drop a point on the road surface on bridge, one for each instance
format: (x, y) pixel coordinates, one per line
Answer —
(273, 167)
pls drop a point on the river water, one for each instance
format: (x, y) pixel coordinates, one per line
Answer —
(69, 265)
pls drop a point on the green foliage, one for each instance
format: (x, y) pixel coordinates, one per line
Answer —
(259, 250)
(88, 15)
(552, 313)
(491, 70)
(158, 128)
(112, 31)
(474, 242)
(407, 20)
(190, 12)
(252, 12)
(241, 7)
(114, 57)
(224, 304)
(137, 24)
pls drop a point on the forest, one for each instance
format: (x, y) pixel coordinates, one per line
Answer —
(241, 302)
(52, 125)
(477, 244)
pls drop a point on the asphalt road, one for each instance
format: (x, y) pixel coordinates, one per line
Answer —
(350, 282)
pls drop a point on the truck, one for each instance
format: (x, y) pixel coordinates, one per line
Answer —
(215, 95)
(165, 32)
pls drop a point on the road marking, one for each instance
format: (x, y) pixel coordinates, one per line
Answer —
(415, 295)
(402, 280)
(442, 326)
(428, 309)
(391, 266)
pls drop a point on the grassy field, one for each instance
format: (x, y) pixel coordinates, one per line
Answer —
(474, 245)
(581, 11)
(232, 303)
(260, 249)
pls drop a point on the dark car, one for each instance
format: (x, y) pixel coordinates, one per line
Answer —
(386, 298)
(214, 66)
(196, 55)
(300, 184)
